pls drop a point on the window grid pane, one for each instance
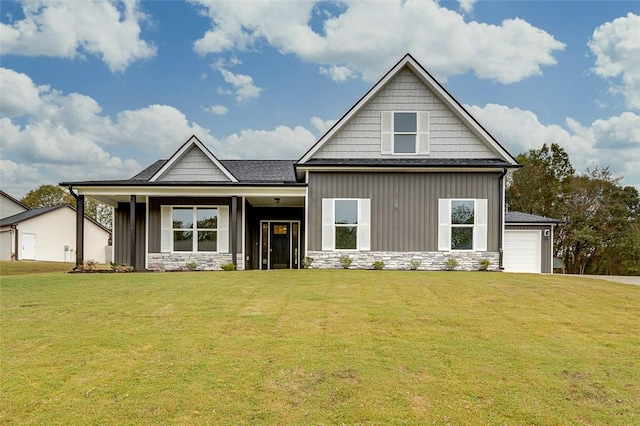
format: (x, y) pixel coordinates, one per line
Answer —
(405, 122)
(207, 218)
(461, 238)
(346, 212)
(462, 212)
(182, 240)
(404, 144)
(207, 240)
(182, 218)
(346, 237)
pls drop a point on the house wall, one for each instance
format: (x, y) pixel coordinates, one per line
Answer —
(6, 244)
(9, 208)
(546, 245)
(56, 229)
(404, 206)
(449, 137)
(194, 166)
(121, 226)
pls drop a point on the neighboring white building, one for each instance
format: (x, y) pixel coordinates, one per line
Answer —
(49, 234)
(10, 206)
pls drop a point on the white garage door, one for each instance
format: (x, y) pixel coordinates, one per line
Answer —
(522, 251)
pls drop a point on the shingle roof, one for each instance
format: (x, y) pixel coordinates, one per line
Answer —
(147, 173)
(17, 218)
(261, 170)
(519, 217)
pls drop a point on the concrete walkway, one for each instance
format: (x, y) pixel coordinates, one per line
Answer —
(635, 280)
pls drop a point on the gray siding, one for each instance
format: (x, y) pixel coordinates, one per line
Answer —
(121, 235)
(194, 165)
(154, 215)
(547, 249)
(404, 206)
(449, 137)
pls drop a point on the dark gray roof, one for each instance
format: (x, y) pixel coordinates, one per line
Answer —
(519, 217)
(261, 170)
(408, 162)
(147, 173)
(17, 218)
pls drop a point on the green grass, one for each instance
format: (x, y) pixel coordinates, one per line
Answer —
(318, 347)
(28, 267)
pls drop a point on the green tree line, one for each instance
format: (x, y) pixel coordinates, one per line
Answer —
(51, 195)
(600, 233)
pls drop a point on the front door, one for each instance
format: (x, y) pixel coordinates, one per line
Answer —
(280, 245)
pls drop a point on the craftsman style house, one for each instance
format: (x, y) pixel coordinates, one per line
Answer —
(407, 174)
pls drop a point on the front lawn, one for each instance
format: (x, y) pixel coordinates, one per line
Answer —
(318, 347)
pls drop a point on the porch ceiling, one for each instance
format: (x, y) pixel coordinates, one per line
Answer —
(276, 201)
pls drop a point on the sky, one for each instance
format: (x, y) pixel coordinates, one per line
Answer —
(101, 89)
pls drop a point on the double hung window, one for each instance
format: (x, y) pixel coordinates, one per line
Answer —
(346, 224)
(462, 224)
(405, 132)
(195, 228)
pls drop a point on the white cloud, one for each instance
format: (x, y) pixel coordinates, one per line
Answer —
(322, 126)
(18, 179)
(217, 109)
(244, 89)
(70, 28)
(337, 73)
(466, 5)
(367, 39)
(281, 143)
(600, 143)
(616, 45)
(67, 137)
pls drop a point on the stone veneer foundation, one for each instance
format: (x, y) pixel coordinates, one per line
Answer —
(429, 261)
(178, 261)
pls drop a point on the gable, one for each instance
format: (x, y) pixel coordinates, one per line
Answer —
(448, 135)
(9, 206)
(192, 162)
(442, 128)
(194, 165)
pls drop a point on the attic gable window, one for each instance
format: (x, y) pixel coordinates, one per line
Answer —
(405, 133)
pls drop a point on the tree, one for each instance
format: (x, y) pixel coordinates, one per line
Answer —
(51, 195)
(541, 184)
(48, 196)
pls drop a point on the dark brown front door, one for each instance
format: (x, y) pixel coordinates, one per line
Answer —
(280, 245)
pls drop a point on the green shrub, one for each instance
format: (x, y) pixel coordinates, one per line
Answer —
(191, 266)
(306, 262)
(415, 264)
(345, 261)
(228, 266)
(451, 263)
(484, 264)
(378, 265)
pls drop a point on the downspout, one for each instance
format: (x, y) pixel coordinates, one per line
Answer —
(14, 228)
(501, 219)
(79, 227)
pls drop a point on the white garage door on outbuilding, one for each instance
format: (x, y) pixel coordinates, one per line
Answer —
(522, 251)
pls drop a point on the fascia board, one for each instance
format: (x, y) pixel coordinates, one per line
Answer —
(203, 191)
(383, 169)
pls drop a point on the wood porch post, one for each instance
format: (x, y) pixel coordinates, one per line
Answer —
(79, 230)
(132, 231)
(234, 230)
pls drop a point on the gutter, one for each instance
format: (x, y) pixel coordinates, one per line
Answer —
(501, 219)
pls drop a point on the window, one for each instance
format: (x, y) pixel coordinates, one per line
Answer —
(345, 224)
(405, 133)
(194, 229)
(462, 224)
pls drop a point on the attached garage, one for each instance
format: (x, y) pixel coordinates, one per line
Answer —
(528, 243)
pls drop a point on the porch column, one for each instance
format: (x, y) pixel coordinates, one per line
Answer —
(79, 230)
(132, 231)
(234, 230)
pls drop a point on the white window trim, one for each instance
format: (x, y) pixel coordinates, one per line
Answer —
(363, 227)
(479, 232)
(422, 133)
(167, 229)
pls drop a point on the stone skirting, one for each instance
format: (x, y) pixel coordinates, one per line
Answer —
(422, 261)
(180, 261)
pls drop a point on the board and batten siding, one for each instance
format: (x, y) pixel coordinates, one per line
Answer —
(194, 166)
(546, 248)
(121, 226)
(404, 206)
(154, 216)
(449, 137)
